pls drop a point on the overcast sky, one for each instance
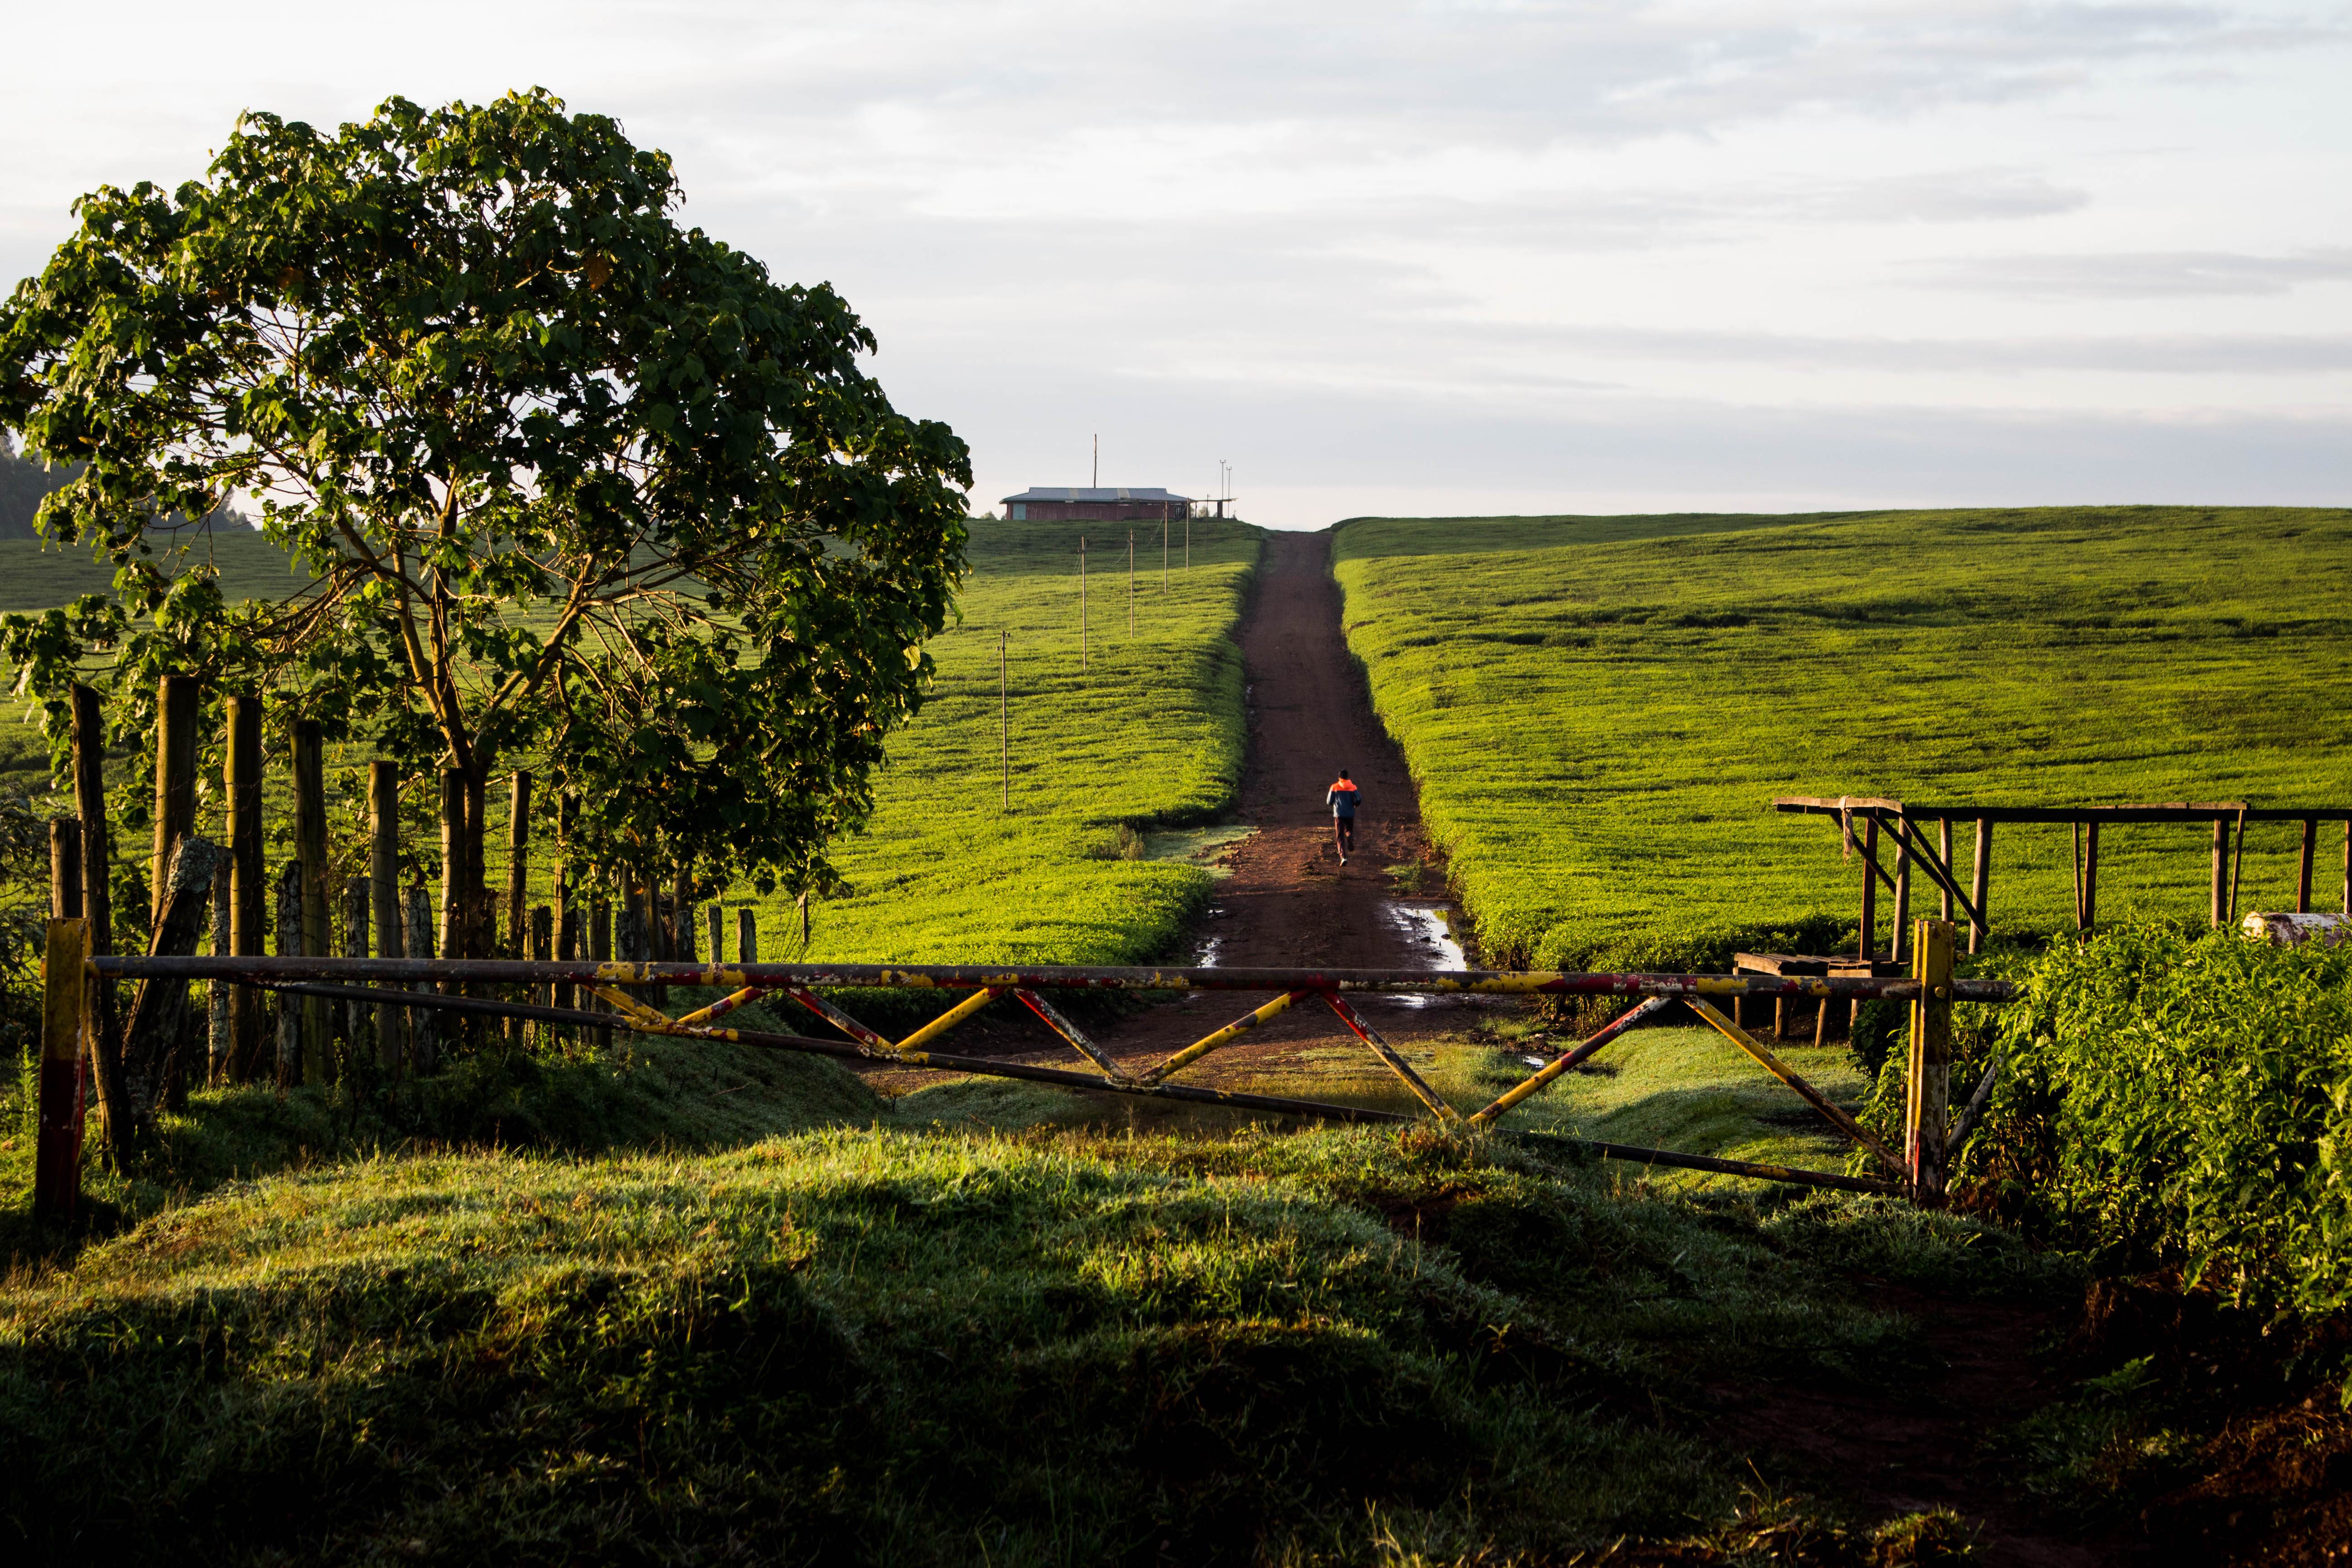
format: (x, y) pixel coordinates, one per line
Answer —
(1451, 259)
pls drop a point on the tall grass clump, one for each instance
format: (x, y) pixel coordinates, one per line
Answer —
(2172, 1100)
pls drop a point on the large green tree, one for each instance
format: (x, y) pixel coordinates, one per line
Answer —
(574, 483)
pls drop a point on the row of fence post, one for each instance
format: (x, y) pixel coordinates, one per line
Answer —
(247, 1034)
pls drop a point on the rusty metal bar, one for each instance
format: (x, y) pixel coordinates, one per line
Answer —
(1723, 1167)
(932, 1060)
(1811, 1095)
(1227, 1035)
(949, 1019)
(1397, 1064)
(1071, 1032)
(1568, 1063)
(839, 1019)
(950, 977)
(725, 1004)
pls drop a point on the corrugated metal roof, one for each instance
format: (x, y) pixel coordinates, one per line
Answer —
(1083, 493)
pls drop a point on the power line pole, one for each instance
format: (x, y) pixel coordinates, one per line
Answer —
(1004, 717)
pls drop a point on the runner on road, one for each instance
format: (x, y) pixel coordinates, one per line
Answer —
(1342, 798)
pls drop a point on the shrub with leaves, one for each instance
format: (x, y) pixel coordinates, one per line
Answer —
(2185, 1101)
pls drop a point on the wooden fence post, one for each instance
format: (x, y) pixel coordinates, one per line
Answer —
(1927, 1104)
(2090, 876)
(249, 901)
(1902, 934)
(423, 1037)
(359, 900)
(568, 934)
(65, 869)
(383, 886)
(157, 1025)
(718, 934)
(290, 944)
(517, 857)
(480, 926)
(56, 1157)
(1868, 947)
(2303, 865)
(1004, 717)
(542, 949)
(222, 1036)
(318, 924)
(103, 1039)
(600, 951)
(1980, 877)
(175, 778)
(1943, 853)
(2221, 870)
(747, 936)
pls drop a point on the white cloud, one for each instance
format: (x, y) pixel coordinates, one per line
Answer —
(1915, 249)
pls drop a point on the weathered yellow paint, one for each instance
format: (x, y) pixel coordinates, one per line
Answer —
(950, 1018)
(632, 1007)
(1198, 1048)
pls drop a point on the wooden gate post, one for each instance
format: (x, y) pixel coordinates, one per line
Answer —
(57, 1159)
(1867, 949)
(1928, 1101)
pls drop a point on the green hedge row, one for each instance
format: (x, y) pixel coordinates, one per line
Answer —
(2178, 1101)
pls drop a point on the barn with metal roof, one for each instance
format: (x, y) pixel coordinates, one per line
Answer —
(1046, 501)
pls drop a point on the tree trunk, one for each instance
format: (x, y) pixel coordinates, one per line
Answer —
(159, 1017)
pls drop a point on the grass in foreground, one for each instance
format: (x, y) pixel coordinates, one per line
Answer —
(1600, 709)
(871, 1346)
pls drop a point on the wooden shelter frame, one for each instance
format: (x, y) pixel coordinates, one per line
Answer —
(1862, 818)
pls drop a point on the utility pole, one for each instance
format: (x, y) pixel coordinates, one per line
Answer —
(1082, 603)
(1130, 582)
(1004, 717)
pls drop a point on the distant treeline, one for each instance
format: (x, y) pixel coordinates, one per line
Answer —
(23, 481)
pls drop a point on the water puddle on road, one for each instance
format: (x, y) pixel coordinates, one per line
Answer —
(1428, 927)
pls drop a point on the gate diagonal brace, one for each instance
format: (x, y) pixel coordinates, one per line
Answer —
(1070, 1032)
(725, 1004)
(1788, 1075)
(1567, 1062)
(1227, 1035)
(817, 1005)
(1387, 1053)
(634, 1008)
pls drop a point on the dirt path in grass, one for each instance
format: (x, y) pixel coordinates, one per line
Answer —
(1289, 902)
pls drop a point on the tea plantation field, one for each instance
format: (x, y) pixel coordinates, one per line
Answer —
(1601, 709)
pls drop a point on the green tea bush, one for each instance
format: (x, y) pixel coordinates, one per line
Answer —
(2184, 1100)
